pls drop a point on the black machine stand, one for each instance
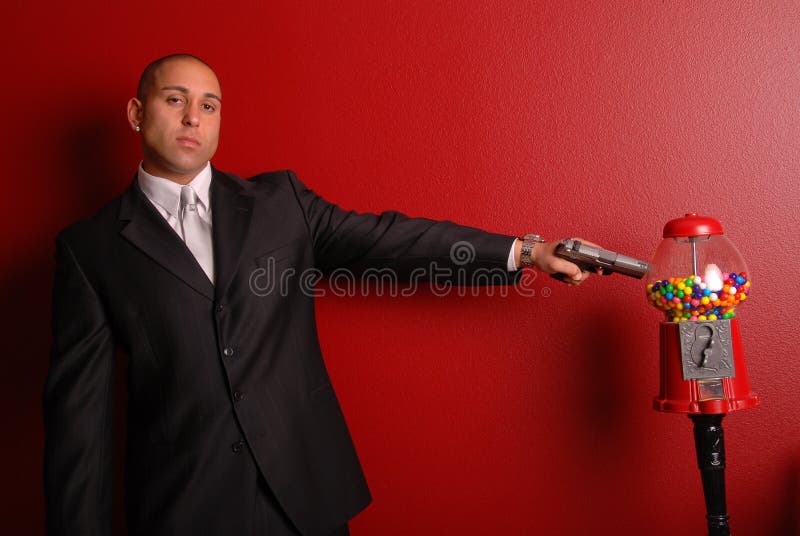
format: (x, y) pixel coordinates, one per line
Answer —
(710, 445)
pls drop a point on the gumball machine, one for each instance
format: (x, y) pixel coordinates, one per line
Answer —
(698, 279)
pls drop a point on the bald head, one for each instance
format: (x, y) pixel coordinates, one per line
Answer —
(177, 115)
(149, 72)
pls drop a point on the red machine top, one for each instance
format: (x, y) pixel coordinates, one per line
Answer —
(692, 225)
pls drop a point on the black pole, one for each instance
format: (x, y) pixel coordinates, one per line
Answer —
(710, 445)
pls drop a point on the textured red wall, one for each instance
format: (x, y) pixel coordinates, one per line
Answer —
(472, 415)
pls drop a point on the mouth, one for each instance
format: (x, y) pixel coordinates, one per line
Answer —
(188, 141)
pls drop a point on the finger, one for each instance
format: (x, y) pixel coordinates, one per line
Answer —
(574, 282)
(570, 270)
(584, 276)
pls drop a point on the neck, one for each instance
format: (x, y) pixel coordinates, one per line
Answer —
(179, 178)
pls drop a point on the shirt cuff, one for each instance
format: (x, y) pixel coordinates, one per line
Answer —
(510, 264)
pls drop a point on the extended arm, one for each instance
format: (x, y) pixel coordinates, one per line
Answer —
(392, 240)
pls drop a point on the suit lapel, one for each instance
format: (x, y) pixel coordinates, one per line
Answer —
(231, 210)
(148, 231)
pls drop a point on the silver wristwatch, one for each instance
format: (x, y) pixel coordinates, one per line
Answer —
(528, 241)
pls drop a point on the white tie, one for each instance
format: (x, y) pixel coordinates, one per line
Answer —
(196, 232)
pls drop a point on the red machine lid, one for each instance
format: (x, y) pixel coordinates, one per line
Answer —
(692, 225)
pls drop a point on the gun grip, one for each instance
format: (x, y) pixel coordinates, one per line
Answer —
(584, 268)
(560, 277)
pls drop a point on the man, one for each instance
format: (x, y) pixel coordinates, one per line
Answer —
(233, 426)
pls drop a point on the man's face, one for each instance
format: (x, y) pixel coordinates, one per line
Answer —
(179, 119)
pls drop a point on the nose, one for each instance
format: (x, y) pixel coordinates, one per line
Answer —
(192, 116)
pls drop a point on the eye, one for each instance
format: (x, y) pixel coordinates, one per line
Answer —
(208, 107)
(175, 100)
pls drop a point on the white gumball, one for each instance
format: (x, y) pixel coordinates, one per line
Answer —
(713, 278)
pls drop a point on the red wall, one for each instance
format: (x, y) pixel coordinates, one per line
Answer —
(472, 415)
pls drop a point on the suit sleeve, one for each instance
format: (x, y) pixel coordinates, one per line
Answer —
(428, 248)
(78, 406)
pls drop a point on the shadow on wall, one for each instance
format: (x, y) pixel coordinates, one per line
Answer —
(93, 171)
(789, 523)
(97, 163)
(606, 390)
(603, 381)
(602, 388)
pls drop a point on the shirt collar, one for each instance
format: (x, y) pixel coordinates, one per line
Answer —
(167, 193)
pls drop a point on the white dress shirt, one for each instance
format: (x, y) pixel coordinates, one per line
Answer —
(165, 195)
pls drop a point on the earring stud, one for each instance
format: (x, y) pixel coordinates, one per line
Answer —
(137, 128)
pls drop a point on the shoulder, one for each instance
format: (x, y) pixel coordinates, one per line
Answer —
(280, 182)
(256, 182)
(94, 227)
(273, 179)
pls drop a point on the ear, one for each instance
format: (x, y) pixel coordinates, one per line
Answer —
(135, 112)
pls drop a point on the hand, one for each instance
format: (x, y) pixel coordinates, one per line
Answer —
(543, 258)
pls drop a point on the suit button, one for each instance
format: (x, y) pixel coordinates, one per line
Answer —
(237, 447)
(227, 352)
(220, 308)
(238, 396)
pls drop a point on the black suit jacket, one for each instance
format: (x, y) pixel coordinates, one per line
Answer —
(226, 382)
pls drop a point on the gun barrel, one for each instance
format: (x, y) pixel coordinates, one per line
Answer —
(631, 266)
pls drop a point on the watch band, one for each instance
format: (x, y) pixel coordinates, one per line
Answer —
(528, 241)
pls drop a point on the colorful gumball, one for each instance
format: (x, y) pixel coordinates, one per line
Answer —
(695, 298)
